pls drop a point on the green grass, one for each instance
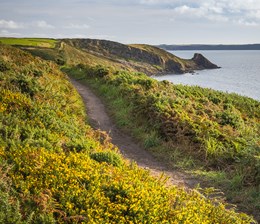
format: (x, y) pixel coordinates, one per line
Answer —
(34, 42)
(207, 132)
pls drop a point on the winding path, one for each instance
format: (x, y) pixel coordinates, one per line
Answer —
(99, 119)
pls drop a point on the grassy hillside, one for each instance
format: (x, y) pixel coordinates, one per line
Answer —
(55, 169)
(211, 133)
(34, 42)
(145, 58)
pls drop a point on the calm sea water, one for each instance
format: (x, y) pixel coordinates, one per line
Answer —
(239, 72)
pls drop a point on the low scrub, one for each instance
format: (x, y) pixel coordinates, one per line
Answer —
(223, 129)
(220, 130)
(53, 169)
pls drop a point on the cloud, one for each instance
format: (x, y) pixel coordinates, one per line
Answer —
(255, 14)
(6, 33)
(10, 24)
(43, 24)
(246, 23)
(76, 26)
(170, 3)
(247, 11)
(212, 13)
(39, 35)
(102, 36)
(213, 21)
(241, 4)
(157, 2)
(235, 4)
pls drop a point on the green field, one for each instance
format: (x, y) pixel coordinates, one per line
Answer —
(34, 42)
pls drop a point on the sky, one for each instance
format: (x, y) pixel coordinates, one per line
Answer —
(135, 21)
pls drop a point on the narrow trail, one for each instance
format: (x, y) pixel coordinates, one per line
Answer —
(99, 119)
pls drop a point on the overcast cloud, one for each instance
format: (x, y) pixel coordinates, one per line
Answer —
(136, 21)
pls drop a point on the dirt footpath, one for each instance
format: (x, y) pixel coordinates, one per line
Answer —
(99, 119)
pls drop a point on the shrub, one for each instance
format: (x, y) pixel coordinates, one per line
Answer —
(109, 157)
(60, 61)
(26, 84)
(4, 66)
(229, 117)
(100, 71)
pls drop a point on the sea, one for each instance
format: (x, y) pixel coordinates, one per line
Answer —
(239, 72)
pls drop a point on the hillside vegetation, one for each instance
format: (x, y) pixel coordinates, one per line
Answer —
(32, 42)
(210, 132)
(55, 169)
(145, 58)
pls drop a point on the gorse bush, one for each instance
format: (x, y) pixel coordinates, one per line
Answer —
(3, 66)
(59, 171)
(108, 157)
(26, 84)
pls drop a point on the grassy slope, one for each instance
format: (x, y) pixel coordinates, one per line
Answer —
(74, 56)
(61, 52)
(150, 60)
(55, 168)
(145, 58)
(94, 57)
(207, 132)
(36, 42)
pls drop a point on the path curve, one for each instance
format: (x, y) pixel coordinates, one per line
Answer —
(99, 119)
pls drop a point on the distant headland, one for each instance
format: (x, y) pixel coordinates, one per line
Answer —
(144, 58)
(210, 47)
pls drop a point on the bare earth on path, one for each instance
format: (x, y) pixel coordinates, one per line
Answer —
(99, 119)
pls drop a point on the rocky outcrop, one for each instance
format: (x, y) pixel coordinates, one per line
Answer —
(202, 62)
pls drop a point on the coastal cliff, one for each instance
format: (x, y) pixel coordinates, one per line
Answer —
(145, 58)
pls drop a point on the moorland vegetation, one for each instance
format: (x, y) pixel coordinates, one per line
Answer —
(56, 169)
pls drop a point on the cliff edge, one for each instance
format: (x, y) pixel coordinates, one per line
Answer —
(145, 58)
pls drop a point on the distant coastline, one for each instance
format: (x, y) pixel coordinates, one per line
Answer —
(209, 47)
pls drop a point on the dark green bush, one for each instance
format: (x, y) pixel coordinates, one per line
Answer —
(108, 157)
(26, 84)
(229, 117)
(3, 66)
(60, 61)
(101, 71)
(37, 73)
